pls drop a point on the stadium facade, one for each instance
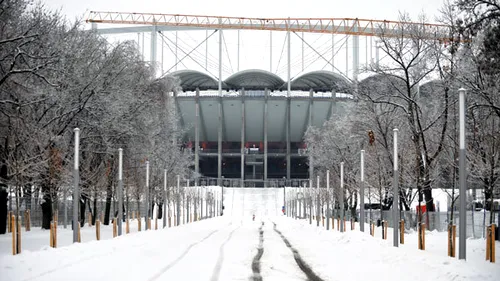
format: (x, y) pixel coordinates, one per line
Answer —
(252, 134)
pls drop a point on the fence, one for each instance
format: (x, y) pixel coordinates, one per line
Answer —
(139, 207)
(476, 222)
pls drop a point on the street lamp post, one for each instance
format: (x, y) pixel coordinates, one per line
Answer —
(327, 199)
(395, 204)
(463, 188)
(178, 200)
(304, 201)
(362, 194)
(165, 203)
(120, 190)
(317, 201)
(341, 196)
(310, 200)
(76, 190)
(146, 216)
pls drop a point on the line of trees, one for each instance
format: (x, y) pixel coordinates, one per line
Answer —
(415, 89)
(56, 76)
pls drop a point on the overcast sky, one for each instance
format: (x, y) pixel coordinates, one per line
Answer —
(254, 45)
(368, 9)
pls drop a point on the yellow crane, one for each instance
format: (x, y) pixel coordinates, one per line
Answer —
(347, 26)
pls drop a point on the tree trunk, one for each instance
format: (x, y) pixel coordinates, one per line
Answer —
(95, 208)
(353, 207)
(3, 200)
(83, 202)
(27, 196)
(91, 210)
(46, 206)
(139, 209)
(152, 208)
(427, 189)
(109, 194)
(3, 209)
(160, 211)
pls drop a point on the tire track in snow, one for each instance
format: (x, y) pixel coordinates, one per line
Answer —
(256, 259)
(78, 261)
(179, 258)
(220, 260)
(72, 263)
(311, 276)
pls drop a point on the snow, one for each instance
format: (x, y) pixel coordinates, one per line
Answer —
(223, 248)
(353, 255)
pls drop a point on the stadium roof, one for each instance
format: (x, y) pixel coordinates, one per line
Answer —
(192, 79)
(254, 79)
(257, 79)
(321, 81)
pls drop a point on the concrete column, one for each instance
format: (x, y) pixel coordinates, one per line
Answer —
(311, 116)
(238, 63)
(333, 52)
(289, 94)
(197, 137)
(355, 57)
(219, 137)
(333, 102)
(270, 51)
(242, 93)
(266, 93)
(219, 145)
(347, 56)
(288, 108)
(153, 48)
(176, 49)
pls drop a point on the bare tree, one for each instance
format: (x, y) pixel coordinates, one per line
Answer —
(411, 60)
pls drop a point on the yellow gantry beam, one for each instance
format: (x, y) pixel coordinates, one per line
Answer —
(347, 26)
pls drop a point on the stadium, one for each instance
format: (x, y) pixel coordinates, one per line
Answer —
(252, 134)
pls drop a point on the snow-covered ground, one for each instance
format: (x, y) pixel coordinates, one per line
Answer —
(226, 248)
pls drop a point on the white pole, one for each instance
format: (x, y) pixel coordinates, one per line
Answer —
(146, 216)
(206, 49)
(302, 51)
(462, 179)
(120, 190)
(165, 203)
(288, 60)
(178, 200)
(238, 65)
(270, 51)
(76, 190)
(327, 199)
(176, 48)
(362, 194)
(395, 202)
(333, 53)
(341, 197)
(310, 199)
(318, 213)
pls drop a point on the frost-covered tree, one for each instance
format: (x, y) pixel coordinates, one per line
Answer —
(411, 60)
(337, 141)
(479, 72)
(55, 77)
